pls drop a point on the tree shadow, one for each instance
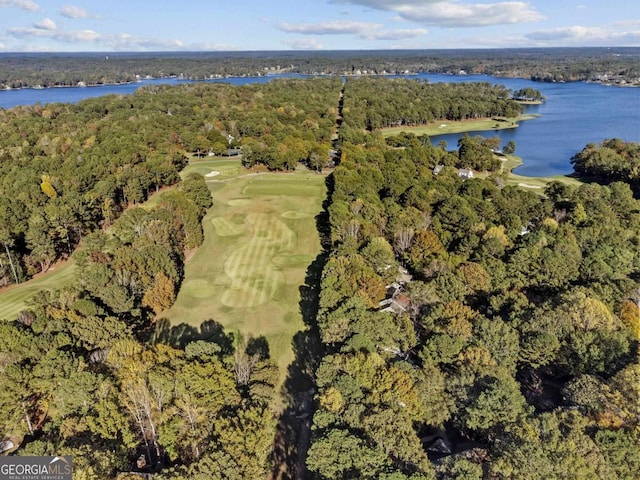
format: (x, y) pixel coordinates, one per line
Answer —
(258, 346)
(293, 434)
(179, 336)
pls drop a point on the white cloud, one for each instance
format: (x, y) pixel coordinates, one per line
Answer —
(1, 45)
(24, 4)
(125, 41)
(45, 24)
(328, 28)
(578, 35)
(365, 30)
(627, 23)
(72, 11)
(61, 36)
(120, 42)
(395, 34)
(223, 47)
(564, 33)
(304, 44)
(452, 13)
(20, 32)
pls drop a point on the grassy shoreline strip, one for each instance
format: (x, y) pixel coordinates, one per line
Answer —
(535, 184)
(444, 127)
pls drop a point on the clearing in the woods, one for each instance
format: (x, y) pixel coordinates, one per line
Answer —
(260, 238)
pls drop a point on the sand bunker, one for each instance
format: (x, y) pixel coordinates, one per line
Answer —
(213, 173)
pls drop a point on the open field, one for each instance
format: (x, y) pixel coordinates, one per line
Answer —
(260, 237)
(445, 126)
(14, 298)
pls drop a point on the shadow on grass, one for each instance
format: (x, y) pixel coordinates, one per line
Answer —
(293, 434)
(179, 336)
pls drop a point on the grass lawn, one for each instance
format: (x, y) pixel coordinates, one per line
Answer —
(260, 237)
(443, 127)
(14, 298)
(536, 184)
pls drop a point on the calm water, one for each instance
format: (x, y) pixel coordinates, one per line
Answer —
(575, 114)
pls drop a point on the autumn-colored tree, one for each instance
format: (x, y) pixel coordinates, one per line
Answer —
(161, 295)
(47, 187)
(630, 316)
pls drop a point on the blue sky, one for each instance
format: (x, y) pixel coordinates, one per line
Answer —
(143, 25)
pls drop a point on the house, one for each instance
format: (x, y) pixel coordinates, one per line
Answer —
(233, 152)
(437, 169)
(465, 174)
(399, 304)
(395, 301)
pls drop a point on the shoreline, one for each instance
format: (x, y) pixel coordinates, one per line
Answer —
(536, 184)
(311, 75)
(445, 127)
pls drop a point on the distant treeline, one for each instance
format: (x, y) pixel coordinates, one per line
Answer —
(610, 66)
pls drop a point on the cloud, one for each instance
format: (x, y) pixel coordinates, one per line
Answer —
(304, 44)
(120, 42)
(125, 41)
(452, 13)
(627, 23)
(2, 46)
(72, 11)
(395, 34)
(45, 24)
(328, 28)
(24, 4)
(565, 33)
(578, 35)
(61, 36)
(364, 30)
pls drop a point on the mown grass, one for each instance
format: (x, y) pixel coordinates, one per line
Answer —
(260, 237)
(444, 127)
(14, 299)
(536, 184)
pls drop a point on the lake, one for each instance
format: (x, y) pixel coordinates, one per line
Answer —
(574, 114)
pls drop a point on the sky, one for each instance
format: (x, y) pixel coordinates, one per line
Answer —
(199, 25)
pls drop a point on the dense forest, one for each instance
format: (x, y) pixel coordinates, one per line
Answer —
(378, 102)
(472, 331)
(66, 170)
(90, 369)
(619, 65)
(468, 329)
